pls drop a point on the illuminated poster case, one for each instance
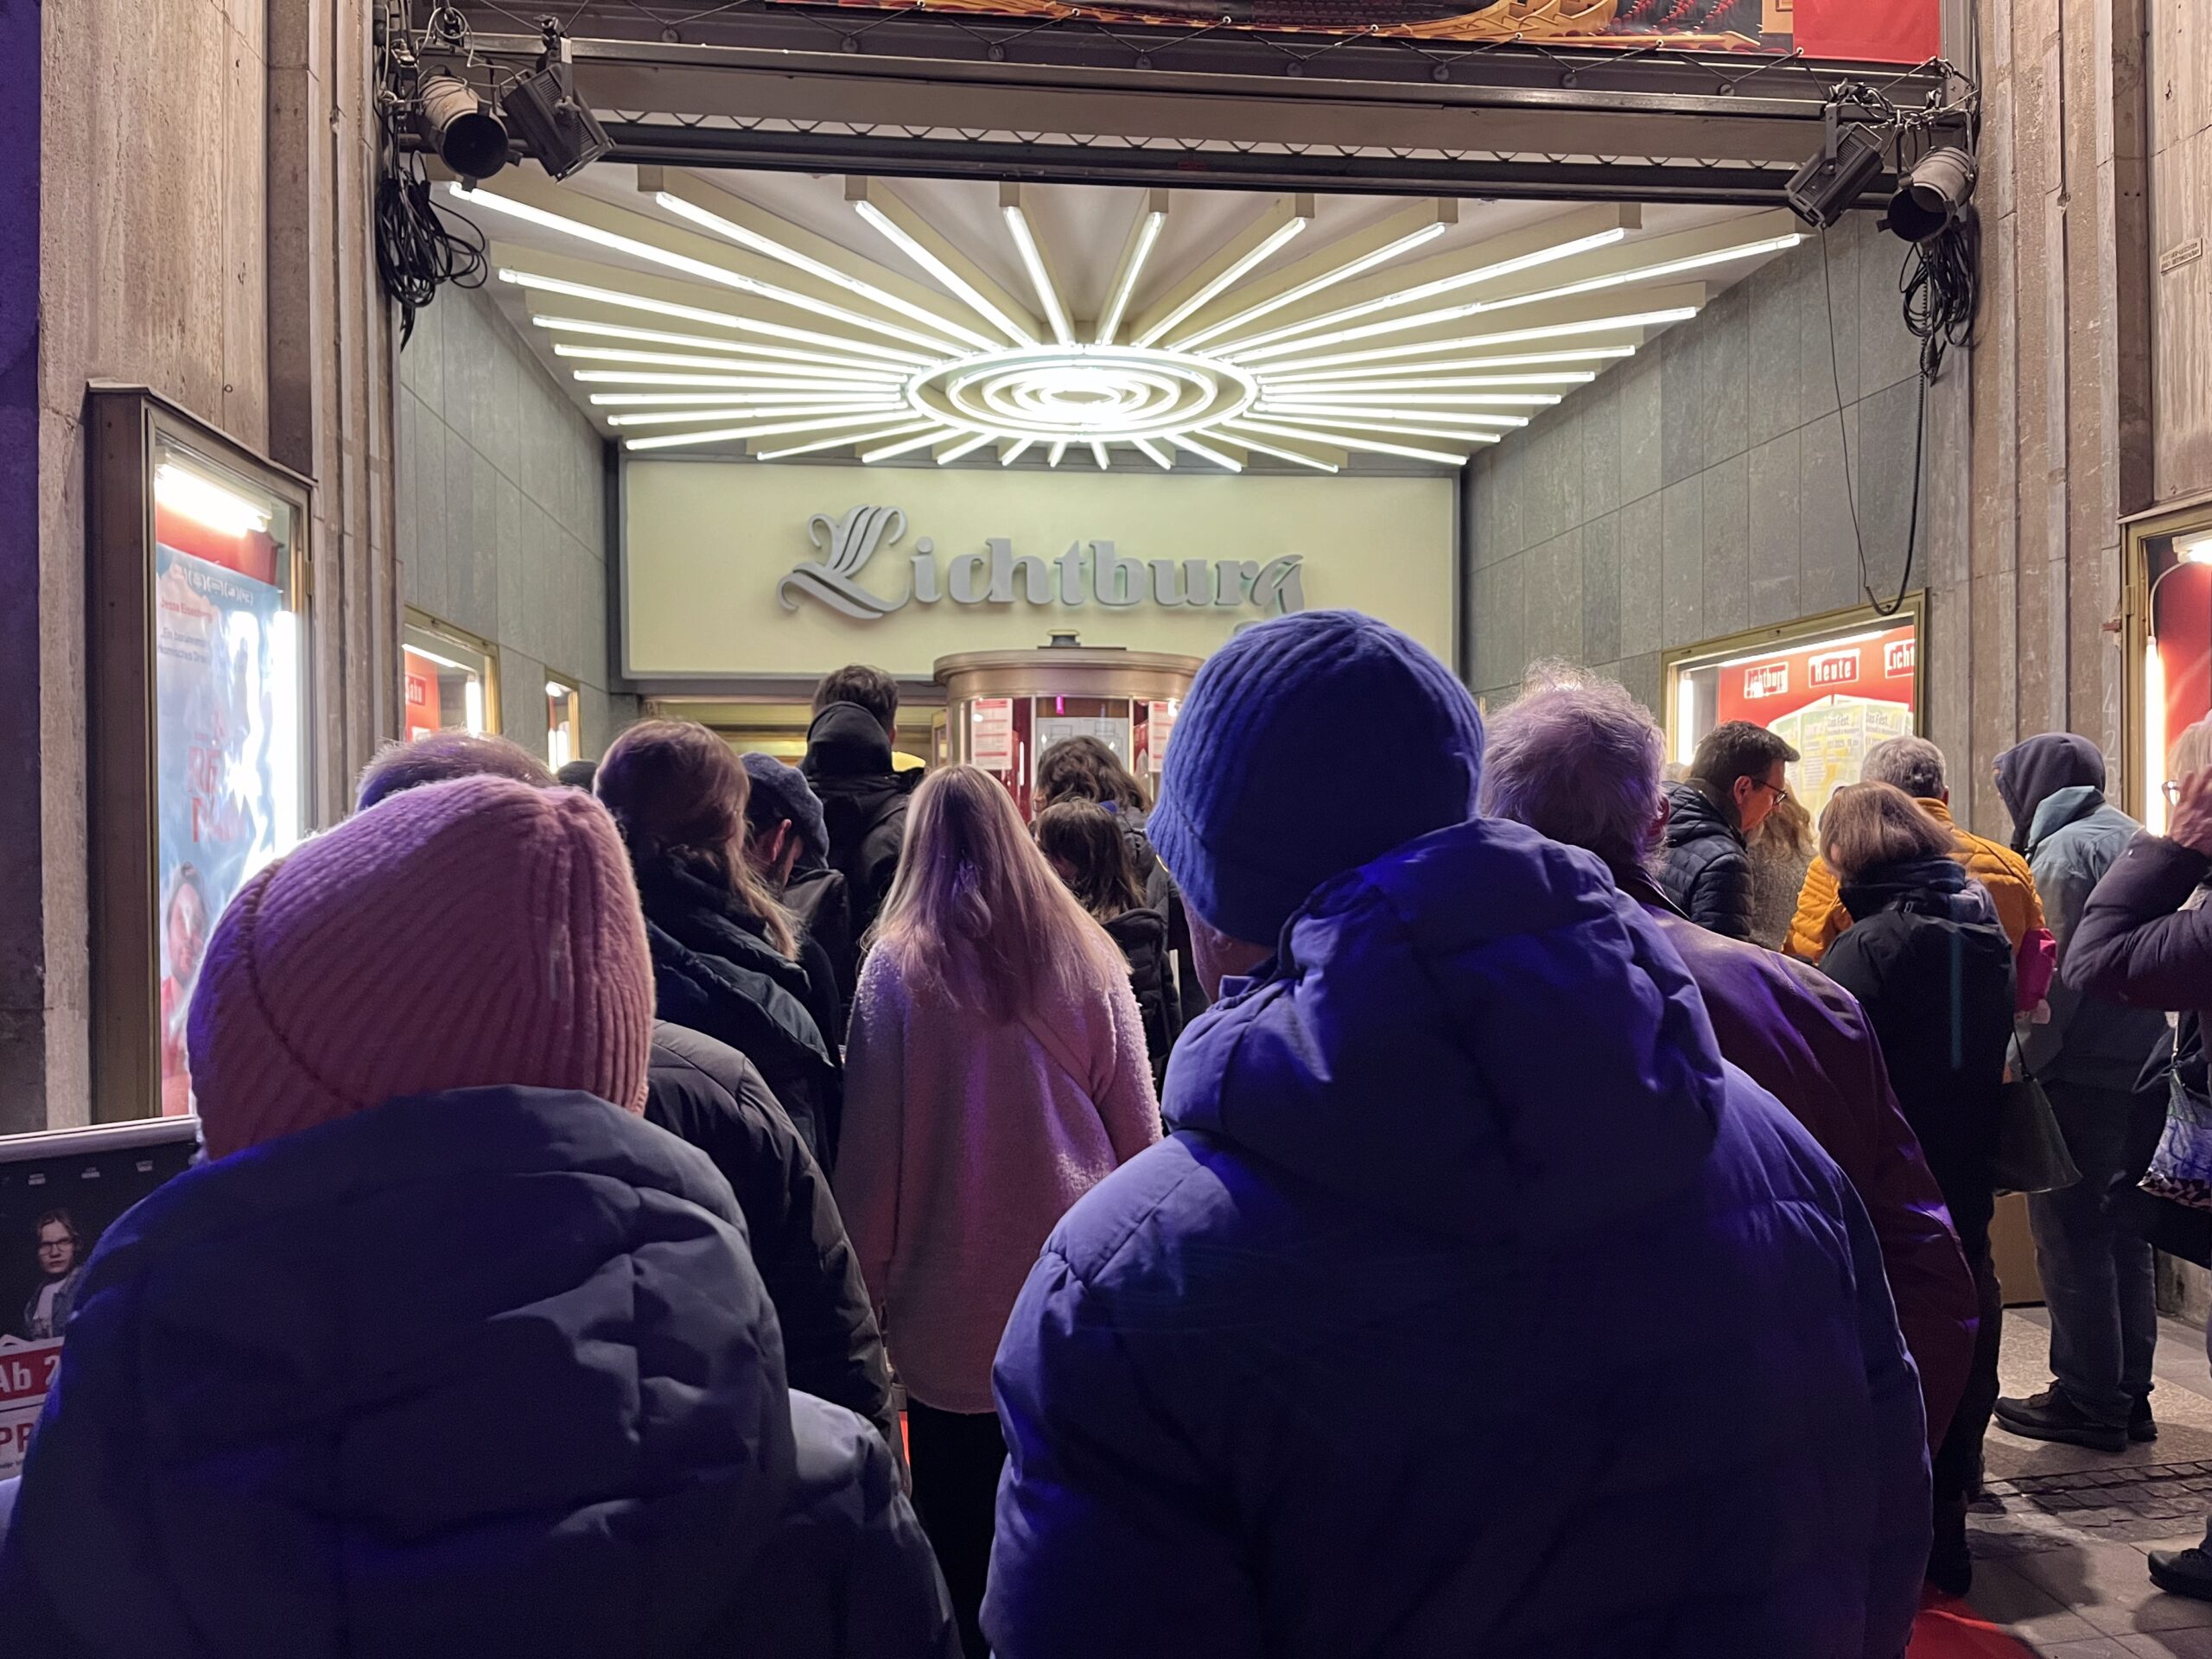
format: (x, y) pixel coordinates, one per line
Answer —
(1831, 686)
(2169, 627)
(197, 694)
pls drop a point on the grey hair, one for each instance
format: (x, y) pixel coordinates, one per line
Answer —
(1577, 759)
(1911, 764)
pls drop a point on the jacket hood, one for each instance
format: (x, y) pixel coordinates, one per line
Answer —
(2030, 773)
(487, 1371)
(1695, 813)
(2060, 808)
(845, 741)
(1936, 885)
(1475, 1034)
(1140, 929)
(689, 901)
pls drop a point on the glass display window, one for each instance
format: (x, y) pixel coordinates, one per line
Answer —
(2169, 692)
(200, 725)
(564, 723)
(1831, 687)
(452, 682)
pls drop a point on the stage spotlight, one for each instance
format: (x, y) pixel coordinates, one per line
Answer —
(1933, 194)
(560, 130)
(466, 131)
(1829, 185)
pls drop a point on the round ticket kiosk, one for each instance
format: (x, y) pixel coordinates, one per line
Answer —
(1003, 709)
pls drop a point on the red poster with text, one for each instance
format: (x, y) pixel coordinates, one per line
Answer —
(1831, 700)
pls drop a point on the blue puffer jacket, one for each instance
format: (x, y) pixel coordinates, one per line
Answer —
(1473, 1307)
(478, 1374)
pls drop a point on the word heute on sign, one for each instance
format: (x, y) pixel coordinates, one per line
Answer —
(1833, 668)
(1088, 572)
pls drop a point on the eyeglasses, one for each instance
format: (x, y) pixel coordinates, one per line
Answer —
(2171, 789)
(1777, 790)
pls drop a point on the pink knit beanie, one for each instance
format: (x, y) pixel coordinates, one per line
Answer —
(473, 932)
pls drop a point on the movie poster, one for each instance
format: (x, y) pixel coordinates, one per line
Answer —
(54, 1207)
(227, 724)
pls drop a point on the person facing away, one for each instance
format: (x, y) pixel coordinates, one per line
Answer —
(1932, 968)
(1086, 769)
(997, 1073)
(1088, 851)
(1473, 1305)
(725, 953)
(1738, 773)
(1781, 851)
(1578, 759)
(864, 798)
(1916, 766)
(788, 842)
(445, 1352)
(707, 1093)
(2098, 1271)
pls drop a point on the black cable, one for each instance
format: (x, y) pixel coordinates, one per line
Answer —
(419, 245)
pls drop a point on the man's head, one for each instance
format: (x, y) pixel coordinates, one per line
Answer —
(441, 757)
(1250, 820)
(1745, 767)
(577, 774)
(1579, 760)
(784, 826)
(871, 688)
(1911, 764)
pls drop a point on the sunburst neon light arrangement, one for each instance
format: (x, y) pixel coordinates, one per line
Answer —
(725, 324)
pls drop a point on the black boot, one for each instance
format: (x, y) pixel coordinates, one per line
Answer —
(1950, 1566)
(2183, 1572)
(2052, 1415)
(2141, 1426)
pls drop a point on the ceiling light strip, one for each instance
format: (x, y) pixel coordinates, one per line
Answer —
(1440, 399)
(1015, 454)
(724, 365)
(720, 319)
(960, 287)
(1117, 303)
(775, 429)
(1421, 291)
(1033, 261)
(1452, 366)
(1184, 441)
(1327, 279)
(855, 414)
(906, 446)
(1098, 455)
(1508, 337)
(1344, 437)
(1058, 449)
(704, 270)
(1160, 457)
(746, 236)
(812, 385)
(1281, 454)
(1438, 418)
(736, 353)
(1226, 279)
(844, 441)
(739, 400)
(1440, 382)
(967, 446)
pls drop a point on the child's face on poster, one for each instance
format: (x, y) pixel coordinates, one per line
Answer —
(57, 1251)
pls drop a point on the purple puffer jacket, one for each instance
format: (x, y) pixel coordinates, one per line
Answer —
(1473, 1306)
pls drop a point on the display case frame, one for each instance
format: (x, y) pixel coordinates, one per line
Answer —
(413, 620)
(128, 427)
(2146, 536)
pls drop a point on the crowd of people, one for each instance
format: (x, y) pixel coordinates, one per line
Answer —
(1520, 1205)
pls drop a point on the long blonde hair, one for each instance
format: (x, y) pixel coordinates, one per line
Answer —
(1788, 828)
(675, 788)
(976, 914)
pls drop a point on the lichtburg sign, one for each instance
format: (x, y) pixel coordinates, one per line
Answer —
(1088, 572)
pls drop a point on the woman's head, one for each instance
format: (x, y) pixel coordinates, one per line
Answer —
(1083, 768)
(461, 935)
(975, 913)
(1788, 828)
(678, 791)
(1868, 825)
(1083, 843)
(185, 923)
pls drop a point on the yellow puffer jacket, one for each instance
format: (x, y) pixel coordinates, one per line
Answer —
(1820, 915)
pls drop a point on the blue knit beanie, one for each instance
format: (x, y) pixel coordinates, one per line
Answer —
(1259, 806)
(781, 792)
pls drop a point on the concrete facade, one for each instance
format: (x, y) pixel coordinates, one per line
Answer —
(502, 513)
(1699, 489)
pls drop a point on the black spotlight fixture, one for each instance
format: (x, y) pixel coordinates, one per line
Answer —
(1932, 195)
(560, 130)
(1829, 185)
(464, 130)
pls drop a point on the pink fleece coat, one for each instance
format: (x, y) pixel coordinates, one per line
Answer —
(965, 1141)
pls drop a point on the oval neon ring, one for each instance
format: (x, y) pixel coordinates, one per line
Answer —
(1082, 393)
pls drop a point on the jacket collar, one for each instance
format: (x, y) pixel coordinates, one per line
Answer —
(2061, 808)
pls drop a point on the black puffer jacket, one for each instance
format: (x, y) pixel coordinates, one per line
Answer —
(863, 803)
(819, 898)
(1142, 935)
(707, 1093)
(1703, 864)
(712, 974)
(1931, 967)
(1161, 894)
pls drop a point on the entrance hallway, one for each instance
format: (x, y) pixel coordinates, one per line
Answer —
(2060, 1540)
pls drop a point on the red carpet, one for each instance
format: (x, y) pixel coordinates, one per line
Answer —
(1948, 1628)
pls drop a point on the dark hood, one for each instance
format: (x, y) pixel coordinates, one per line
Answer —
(2030, 773)
(845, 741)
(1140, 930)
(1476, 1034)
(485, 1372)
(1696, 812)
(1932, 886)
(686, 897)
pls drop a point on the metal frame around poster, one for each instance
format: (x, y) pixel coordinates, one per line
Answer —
(123, 791)
(2158, 527)
(413, 620)
(1790, 635)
